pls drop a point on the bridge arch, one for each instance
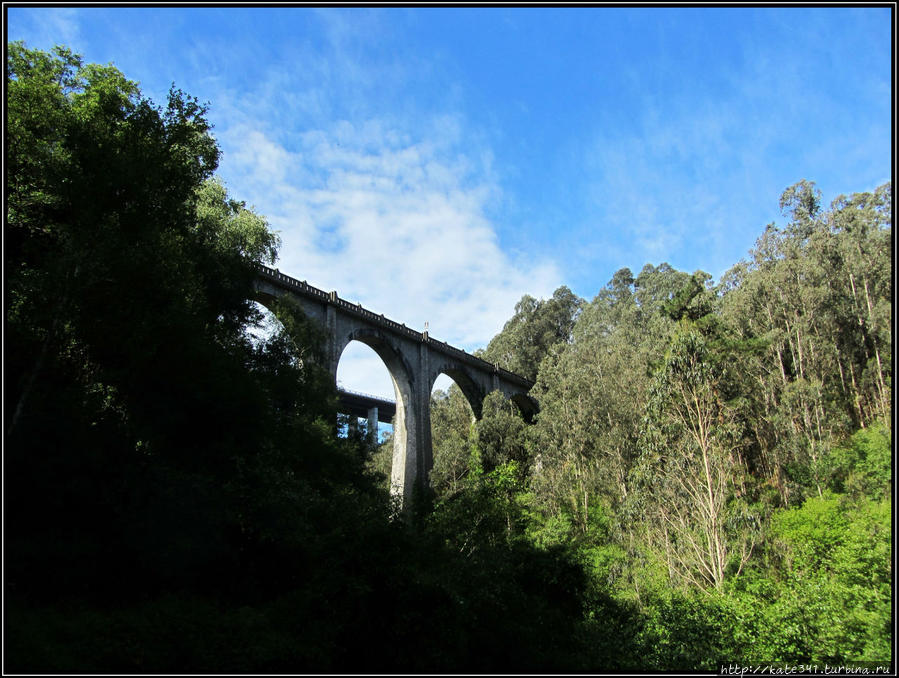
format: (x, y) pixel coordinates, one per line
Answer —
(270, 322)
(396, 364)
(527, 406)
(265, 297)
(476, 385)
(472, 390)
(275, 302)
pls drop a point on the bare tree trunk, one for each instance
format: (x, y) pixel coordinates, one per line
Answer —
(884, 399)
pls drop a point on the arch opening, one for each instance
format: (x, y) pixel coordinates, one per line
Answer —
(449, 375)
(368, 390)
(265, 327)
(264, 324)
(298, 325)
(453, 418)
(401, 447)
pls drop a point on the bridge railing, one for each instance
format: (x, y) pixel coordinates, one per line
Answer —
(302, 287)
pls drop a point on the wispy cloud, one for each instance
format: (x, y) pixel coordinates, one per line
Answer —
(395, 223)
(375, 195)
(695, 174)
(382, 196)
(659, 190)
(47, 26)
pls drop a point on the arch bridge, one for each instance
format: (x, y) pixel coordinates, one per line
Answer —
(414, 361)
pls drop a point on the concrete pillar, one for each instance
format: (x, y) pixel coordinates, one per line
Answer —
(331, 347)
(412, 456)
(403, 468)
(373, 425)
(423, 386)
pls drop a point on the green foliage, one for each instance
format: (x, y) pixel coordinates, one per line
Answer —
(679, 423)
(452, 438)
(811, 532)
(535, 328)
(815, 294)
(709, 476)
(380, 462)
(687, 633)
(825, 596)
(863, 466)
(685, 481)
(690, 413)
(546, 531)
(501, 433)
(691, 301)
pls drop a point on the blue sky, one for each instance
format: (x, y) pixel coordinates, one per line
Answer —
(435, 164)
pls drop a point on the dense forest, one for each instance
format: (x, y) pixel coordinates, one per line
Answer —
(708, 480)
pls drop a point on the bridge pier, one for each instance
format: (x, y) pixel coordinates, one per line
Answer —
(424, 453)
(403, 469)
(373, 425)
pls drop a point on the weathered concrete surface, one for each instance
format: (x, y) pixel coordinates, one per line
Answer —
(414, 361)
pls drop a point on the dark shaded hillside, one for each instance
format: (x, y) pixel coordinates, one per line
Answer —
(176, 497)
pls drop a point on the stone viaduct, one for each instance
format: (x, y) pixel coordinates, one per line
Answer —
(414, 361)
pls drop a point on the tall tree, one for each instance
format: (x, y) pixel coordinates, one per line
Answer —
(536, 327)
(592, 391)
(452, 438)
(119, 251)
(129, 278)
(688, 473)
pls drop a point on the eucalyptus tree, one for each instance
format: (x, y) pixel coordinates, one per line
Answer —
(592, 393)
(687, 479)
(814, 297)
(858, 247)
(533, 330)
(453, 441)
(589, 392)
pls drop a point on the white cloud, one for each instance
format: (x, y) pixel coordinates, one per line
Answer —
(397, 224)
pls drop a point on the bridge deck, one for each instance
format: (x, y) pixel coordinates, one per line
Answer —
(302, 287)
(359, 404)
